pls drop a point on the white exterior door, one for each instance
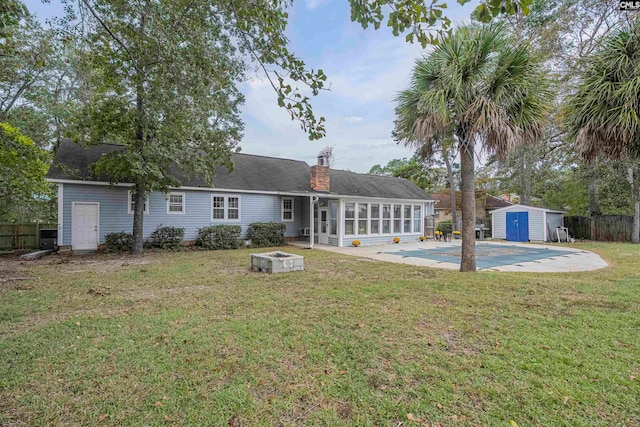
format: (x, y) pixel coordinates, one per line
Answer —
(323, 232)
(85, 219)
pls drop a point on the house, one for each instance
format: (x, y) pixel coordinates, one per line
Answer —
(514, 198)
(522, 223)
(484, 205)
(334, 206)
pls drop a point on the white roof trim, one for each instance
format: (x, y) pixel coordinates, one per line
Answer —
(518, 206)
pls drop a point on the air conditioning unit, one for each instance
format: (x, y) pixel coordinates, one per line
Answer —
(304, 231)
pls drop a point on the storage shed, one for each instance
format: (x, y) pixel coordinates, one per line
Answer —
(522, 223)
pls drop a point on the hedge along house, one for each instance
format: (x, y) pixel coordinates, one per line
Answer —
(334, 206)
(522, 223)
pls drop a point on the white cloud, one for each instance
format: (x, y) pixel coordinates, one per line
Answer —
(312, 4)
(350, 119)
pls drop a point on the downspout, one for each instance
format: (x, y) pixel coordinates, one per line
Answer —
(312, 200)
(60, 214)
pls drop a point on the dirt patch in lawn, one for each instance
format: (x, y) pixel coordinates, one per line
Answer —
(15, 279)
(68, 263)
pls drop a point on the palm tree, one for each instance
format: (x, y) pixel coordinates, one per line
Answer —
(602, 115)
(478, 86)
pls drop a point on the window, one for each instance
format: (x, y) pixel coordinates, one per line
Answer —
(375, 219)
(349, 218)
(417, 219)
(407, 218)
(225, 208)
(363, 213)
(287, 209)
(386, 219)
(176, 203)
(218, 207)
(233, 209)
(333, 218)
(397, 218)
(132, 203)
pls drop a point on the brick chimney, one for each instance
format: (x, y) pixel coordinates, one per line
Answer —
(320, 175)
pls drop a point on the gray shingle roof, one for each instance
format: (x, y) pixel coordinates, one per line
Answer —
(251, 173)
(369, 185)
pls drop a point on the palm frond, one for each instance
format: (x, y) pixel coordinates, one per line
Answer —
(480, 80)
(602, 116)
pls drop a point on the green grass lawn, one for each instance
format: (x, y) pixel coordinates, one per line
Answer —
(195, 338)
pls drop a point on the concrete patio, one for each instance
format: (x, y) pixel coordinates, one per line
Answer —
(490, 255)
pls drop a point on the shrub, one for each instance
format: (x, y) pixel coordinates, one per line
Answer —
(263, 234)
(167, 237)
(356, 243)
(219, 237)
(396, 240)
(445, 226)
(118, 242)
(423, 238)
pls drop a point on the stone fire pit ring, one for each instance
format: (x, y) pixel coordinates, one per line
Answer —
(277, 262)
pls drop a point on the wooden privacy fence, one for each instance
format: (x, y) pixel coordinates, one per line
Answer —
(606, 228)
(21, 236)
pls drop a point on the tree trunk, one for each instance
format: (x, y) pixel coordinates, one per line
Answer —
(468, 261)
(137, 246)
(634, 180)
(452, 187)
(524, 175)
(594, 201)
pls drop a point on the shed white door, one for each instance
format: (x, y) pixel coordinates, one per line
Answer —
(85, 226)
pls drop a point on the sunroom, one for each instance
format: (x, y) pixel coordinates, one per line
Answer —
(341, 220)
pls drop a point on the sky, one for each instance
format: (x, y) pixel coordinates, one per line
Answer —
(365, 70)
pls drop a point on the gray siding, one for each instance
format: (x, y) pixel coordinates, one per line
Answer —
(114, 216)
(499, 225)
(536, 225)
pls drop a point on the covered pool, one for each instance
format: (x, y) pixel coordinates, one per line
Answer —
(490, 255)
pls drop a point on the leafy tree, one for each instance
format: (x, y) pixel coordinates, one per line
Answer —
(22, 169)
(602, 115)
(421, 21)
(38, 86)
(24, 64)
(11, 13)
(164, 85)
(478, 85)
(425, 175)
(564, 32)
(568, 188)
